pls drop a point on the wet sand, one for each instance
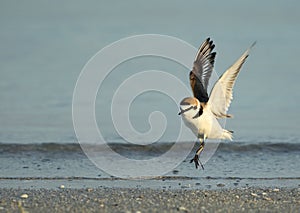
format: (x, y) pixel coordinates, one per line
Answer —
(150, 200)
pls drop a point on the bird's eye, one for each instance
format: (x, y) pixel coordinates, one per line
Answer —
(195, 107)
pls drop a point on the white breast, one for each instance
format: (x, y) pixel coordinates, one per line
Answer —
(191, 123)
(206, 124)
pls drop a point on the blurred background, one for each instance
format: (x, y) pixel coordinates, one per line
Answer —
(45, 44)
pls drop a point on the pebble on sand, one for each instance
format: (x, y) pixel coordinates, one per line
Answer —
(62, 186)
(220, 185)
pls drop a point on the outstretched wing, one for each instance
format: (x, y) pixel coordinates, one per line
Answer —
(222, 92)
(202, 69)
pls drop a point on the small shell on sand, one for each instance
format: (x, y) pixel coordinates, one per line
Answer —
(254, 194)
(267, 198)
(182, 208)
(24, 196)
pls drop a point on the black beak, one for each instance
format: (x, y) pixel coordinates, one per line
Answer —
(181, 111)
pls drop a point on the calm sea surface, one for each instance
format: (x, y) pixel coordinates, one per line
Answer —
(45, 45)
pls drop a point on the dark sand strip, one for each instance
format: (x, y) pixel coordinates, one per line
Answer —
(150, 200)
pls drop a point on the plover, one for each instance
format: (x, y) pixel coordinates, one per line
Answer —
(201, 112)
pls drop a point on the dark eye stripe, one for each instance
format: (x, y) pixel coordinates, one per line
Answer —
(185, 110)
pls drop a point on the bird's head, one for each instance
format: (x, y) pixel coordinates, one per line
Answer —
(189, 107)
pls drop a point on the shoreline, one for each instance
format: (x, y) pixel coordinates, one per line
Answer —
(175, 182)
(149, 200)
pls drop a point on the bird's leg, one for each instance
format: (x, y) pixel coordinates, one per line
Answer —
(198, 152)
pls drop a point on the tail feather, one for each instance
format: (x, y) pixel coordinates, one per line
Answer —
(227, 134)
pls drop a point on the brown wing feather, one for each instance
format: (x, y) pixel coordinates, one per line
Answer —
(202, 69)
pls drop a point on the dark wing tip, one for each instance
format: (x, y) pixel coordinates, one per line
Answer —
(202, 69)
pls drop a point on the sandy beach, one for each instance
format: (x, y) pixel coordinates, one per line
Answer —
(150, 200)
(60, 178)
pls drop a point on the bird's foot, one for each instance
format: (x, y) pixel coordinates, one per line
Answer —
(197, 162)
(196, 158)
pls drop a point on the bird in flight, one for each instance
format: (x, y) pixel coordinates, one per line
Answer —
(201, 112)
